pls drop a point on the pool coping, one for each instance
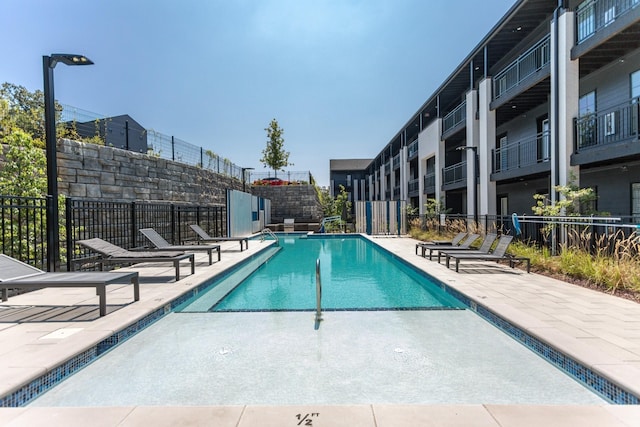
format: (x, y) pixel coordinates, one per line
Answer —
(612, 387)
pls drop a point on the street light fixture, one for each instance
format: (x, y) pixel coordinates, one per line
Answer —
(475, 178)
(244, 178)
(53, 232)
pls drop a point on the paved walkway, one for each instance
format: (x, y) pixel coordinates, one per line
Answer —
(599, 330)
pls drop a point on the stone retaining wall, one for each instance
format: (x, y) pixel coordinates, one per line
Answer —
(299, 202)
(98, 172)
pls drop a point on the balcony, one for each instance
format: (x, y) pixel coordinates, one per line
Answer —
(594, 15)
(396, 193)
(387, 167)
(524, 157)
(429, 183)
(523, 68)
(455, 120)
(607, 134)
(454, 176)
(412, 150)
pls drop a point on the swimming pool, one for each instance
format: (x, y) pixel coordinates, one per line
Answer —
(356, 357)
(355, 275)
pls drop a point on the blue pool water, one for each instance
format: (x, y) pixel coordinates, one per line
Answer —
(355, 275)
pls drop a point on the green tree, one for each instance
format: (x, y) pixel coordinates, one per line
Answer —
(274, 155)
(25, 111)
(573, 201)
(433, 208)
(24, 172)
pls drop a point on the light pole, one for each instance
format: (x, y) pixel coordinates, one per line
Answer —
(244, 178)
(475, 178)
(53, 232)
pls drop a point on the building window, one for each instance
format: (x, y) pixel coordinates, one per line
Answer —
(587, 104)
(635, 202)
(587, 123)
(635, 85)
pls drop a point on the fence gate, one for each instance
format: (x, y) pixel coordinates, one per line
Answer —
(381, 217)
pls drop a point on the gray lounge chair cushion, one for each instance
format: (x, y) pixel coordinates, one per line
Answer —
(112, 251)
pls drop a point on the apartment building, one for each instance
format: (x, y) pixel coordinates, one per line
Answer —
(550, 96)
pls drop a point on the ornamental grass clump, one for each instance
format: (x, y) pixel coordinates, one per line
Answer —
(610, 261)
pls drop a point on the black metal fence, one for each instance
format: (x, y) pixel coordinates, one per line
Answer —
(593, 234)
(119, 222)
(24, 234)
(23, 227)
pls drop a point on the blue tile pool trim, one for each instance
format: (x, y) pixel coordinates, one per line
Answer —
(581, 373)
(25, 394)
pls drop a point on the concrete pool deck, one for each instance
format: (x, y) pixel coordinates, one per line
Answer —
(599, 330)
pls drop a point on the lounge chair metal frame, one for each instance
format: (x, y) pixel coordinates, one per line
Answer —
(113, 254)
(15, 274)
(466, 244)
(453, 242)
(498, 254)
(484, 248)
(160, 244)
(203, 236)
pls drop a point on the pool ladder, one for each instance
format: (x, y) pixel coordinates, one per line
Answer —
(318, 295)
(271, 234)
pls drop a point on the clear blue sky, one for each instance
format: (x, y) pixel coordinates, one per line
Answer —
(340, 76)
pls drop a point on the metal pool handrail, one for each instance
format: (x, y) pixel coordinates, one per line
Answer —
(270, 233)
(318, 295)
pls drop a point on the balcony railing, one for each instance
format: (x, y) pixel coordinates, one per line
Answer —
(455, 173)
(396, 162)
(387, 167)
(429, 182)
(519, 154)
(527, 64)
(608, 126)
(412, 149)
(414, 185)
(593, 15)
(455, 117)
(396, 193)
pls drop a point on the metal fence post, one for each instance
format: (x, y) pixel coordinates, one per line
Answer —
(68, 223)
(134, 225)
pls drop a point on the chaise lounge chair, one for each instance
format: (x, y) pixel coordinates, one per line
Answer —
(113, 254)
(162, 245)
(463, 245)
(487, 242)
(204, 237)
(498, 254)
(453, 242)
(16, 274)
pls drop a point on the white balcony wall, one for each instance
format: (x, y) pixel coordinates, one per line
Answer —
(429, 145)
